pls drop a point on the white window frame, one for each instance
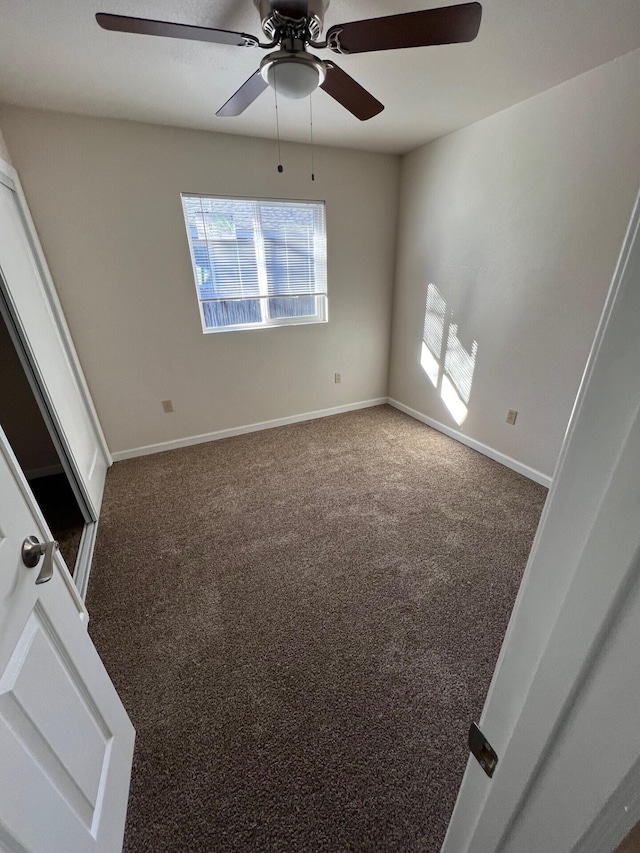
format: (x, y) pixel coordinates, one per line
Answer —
(321, 314)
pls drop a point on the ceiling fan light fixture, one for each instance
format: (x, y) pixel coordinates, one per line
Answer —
(293, 75)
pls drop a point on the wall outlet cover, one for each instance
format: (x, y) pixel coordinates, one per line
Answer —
(167, 406)
(511, 416)
(337, 378)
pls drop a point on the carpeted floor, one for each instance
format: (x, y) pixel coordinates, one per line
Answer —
(631, 843)
(302, 623)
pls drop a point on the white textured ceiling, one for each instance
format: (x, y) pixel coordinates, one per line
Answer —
(54, 56)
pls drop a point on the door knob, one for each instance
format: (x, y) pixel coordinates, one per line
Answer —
(32, 550)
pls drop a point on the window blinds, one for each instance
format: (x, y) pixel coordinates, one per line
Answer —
(256, 249)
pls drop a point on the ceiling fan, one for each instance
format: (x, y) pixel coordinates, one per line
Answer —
(293, 25)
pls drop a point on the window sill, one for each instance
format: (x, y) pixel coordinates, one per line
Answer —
(271, 325)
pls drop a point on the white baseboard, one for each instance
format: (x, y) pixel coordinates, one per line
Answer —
(47, 471)
(531, 473)
(118, 455)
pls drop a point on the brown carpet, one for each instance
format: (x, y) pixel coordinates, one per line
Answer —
(631, 843)
(302, 623)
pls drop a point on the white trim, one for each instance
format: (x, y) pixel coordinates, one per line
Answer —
(119, 455)
(55, 307)
(148, 449)
(46, 471)
(496, 455)
(84, 558)
(8, 173)
(8, 182)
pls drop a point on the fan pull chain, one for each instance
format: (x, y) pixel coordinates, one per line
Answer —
(313, 177)
(275, 92)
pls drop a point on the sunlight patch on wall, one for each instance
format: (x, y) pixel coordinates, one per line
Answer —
(452, 401)
(433, 333)
(458, 368)
(429, 364)
(459, 363)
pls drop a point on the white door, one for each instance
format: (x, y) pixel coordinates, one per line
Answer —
(66, 743)
(563, 708)
(33, 305)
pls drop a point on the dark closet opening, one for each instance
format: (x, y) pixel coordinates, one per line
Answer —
(29, 437)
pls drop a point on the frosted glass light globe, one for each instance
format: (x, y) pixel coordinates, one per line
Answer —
(293, 75)
(293, 79)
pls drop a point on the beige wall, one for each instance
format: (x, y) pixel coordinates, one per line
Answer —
(105, 197)
(518, 220)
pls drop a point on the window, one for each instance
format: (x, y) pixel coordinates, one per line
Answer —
(257, 262)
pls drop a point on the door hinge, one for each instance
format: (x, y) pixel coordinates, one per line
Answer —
(483, 751)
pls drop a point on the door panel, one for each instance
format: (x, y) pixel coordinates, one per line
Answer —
(66, 742)
(32, 311)
(41, 684)
(562, 710)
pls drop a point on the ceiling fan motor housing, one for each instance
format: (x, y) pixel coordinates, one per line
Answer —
(290, 18)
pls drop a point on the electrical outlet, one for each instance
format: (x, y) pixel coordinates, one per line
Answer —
(167, 406)
(337, 378)
(511, 416)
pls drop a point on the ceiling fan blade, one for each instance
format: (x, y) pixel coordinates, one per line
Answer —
(350, 94)
(447, 25)
(245, 96)
(144, 26)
